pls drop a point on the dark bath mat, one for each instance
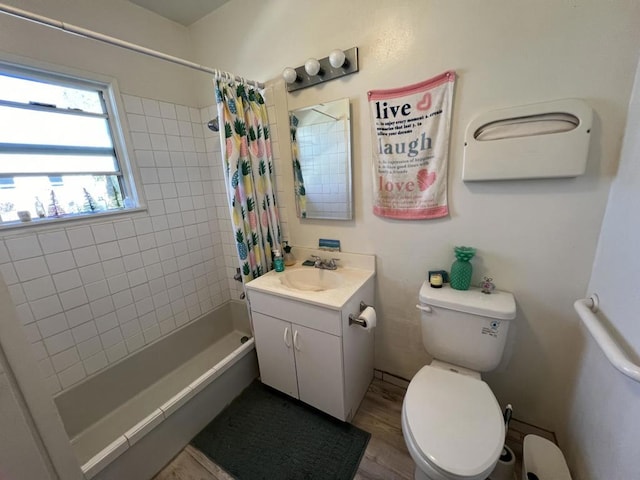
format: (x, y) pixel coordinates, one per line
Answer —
(264, 434)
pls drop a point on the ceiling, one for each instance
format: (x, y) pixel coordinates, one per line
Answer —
(182, 11)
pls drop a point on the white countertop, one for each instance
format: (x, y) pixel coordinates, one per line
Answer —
(335, 298)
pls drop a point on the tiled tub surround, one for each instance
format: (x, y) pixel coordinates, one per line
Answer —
(151, 404)
(91, 292)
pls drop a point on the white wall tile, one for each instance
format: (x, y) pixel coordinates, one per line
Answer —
(113, 267)
(86, 255)
(84, 332)
(89, 347)
(127, 313)
(116, 352)
(78, 316)
(96, 290)
(91, 273)
(95, 363)
(122, 299)
(23, 247)
(25, 315)
(45, 307)
(128, 246)
(67, 280)
(111, 337)
(104, 232)
(132, 104)
(73, 298)
(53, 242)
(107, 322)
(61, 261)
(38, 288)
(151, 334)
(108, 251)
(131, 328)
(4, 253)
(58, 343)
(137, 123)
(132, 262)
(102, 306)
(30, 269)
(9, 273)
(65, 359)
(151, 107)
(135, 343)
(124, 229)
(80, 237)
(53, 325)
(72, 375)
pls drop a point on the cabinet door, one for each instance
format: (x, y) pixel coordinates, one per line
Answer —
(319, 366)
(274, 345)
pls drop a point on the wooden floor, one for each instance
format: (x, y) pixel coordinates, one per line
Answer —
(386, 456)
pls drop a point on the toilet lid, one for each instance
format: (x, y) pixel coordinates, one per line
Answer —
(455, 421)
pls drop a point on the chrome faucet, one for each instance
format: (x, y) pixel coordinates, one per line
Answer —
(325, 264)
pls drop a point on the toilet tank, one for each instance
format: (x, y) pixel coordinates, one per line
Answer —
(466, 327)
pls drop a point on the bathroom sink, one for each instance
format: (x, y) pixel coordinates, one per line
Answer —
(311, 279)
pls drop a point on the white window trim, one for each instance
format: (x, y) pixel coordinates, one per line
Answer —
(117, 123)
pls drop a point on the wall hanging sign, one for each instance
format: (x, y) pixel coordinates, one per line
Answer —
(411, 128)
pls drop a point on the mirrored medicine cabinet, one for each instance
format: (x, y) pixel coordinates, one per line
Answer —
(321, 152)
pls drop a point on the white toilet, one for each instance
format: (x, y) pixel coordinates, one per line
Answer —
(451, 421)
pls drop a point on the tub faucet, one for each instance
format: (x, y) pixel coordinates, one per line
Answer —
(325, 264)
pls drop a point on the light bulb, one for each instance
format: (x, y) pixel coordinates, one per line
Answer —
(337, 58)
(312, 67)
(289, 75)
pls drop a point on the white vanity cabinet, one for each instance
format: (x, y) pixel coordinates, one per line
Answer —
(310, 352)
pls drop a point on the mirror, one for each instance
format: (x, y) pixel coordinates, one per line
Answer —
(321, 152)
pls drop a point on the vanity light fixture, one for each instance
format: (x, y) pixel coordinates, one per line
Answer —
(338, 64)
(312, 67)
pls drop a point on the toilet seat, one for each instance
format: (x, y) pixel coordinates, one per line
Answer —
(453, 425)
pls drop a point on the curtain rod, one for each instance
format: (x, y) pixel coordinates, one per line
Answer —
(86, 33)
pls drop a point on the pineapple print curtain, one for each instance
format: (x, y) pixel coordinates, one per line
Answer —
(248, 172)
(298, 181)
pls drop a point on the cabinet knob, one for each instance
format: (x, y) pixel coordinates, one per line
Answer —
(295, 340)
(286, 339)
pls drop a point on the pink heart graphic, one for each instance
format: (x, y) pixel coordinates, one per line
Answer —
(425, 179)
(425, 103)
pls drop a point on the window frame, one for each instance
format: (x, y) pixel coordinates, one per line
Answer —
(111, 100)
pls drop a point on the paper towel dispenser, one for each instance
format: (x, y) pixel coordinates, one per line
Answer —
(544, 140)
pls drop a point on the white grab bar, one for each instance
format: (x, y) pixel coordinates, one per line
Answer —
(586, 308)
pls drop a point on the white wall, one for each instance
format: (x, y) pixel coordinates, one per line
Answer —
(137, 74)
(603, 432)
(535, 238)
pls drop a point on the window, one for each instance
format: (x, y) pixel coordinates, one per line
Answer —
(58, 153)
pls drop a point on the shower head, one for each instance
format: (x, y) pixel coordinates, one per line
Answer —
(213, 125)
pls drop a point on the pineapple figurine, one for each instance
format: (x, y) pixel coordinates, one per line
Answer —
(461, 270)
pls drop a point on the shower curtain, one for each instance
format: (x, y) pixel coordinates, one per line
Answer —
(298, 180)
(248, 173)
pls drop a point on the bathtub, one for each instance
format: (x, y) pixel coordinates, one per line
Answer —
(129, 420)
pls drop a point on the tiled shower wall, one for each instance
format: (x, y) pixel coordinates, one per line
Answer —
(91, 292)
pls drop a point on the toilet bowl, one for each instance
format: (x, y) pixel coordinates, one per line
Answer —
(451, 421)
(452, 425)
